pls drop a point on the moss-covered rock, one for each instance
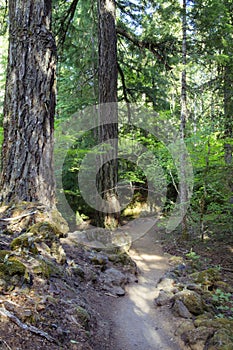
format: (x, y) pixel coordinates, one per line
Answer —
(216, 323)
(45, 268)
(42, 238)
(192, 300)
(26, 241)
(207, 277)
(45, 230)
(197, 338)
(222, 340)
(12, 271)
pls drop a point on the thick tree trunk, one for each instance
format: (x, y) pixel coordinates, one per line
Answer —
(27, 153)
(108, 216)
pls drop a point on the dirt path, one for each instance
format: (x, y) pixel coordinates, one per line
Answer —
(134, 321)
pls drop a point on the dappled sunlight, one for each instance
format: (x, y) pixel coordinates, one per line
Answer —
(140, 325)
(142, 298)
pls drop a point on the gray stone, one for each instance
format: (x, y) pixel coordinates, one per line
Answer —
(114, 277)
(120, 292)
(166, 284)
(164, 298)
(181, 310)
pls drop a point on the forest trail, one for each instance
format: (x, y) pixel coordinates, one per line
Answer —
(135, 323)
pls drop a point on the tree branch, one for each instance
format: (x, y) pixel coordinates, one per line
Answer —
(141, 44)
(66, 22)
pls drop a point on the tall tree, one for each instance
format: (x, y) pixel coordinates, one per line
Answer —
(108, 215)
(27, 153)
(183, 118)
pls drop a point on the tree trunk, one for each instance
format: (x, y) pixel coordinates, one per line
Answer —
(108, 215)
(183, 118)
(27, 153)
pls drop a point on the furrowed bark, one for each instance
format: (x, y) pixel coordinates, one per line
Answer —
(27, 152)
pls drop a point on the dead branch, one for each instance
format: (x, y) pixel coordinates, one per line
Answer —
(19, 217)
(25, 326)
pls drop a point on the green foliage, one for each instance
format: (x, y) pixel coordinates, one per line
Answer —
(192, 255)
(224, 303)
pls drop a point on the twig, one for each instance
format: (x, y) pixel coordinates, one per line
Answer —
(18, 217)
(111, 295)
(26, 327)
(5, 343)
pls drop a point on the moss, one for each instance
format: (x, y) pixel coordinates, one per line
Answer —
(44, 229)
(207, 277)
(12, 271)
(4, 254)
(10, 265)
(24, 241)
(222, 340)
(83, 316)
(14, 266)
(219, 323)
(46, 268)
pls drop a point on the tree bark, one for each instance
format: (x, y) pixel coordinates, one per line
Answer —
(183, 118)
(27, 152)
(108, 216)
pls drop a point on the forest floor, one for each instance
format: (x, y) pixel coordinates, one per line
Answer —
(100, 301)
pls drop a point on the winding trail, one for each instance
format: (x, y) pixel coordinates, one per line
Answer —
(135, 323)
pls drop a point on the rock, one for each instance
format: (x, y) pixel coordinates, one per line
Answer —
(83, 316)
(192, 300)
(114, 277)
(25, 241)
(45, 268)
(122, 240)
(179, 270)
(166, 284)
(120, 292)
(181, 310)
(164, 298)
(78, 271)
(58, 221)
(216, 323)
(42, 238)
(102, 239)
(197, 338)
(207, 277)
(222, 340)
(195, 287)
(12, 271)
(98, 259)
(185, 327)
